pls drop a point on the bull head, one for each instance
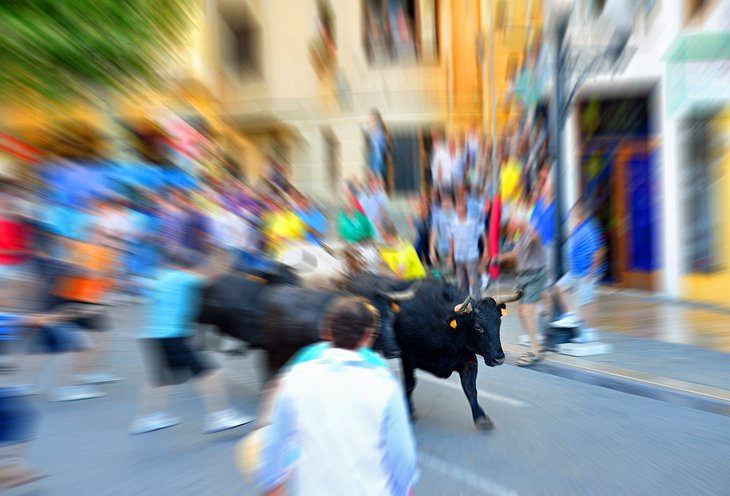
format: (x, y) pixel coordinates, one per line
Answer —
(404, 295)
(500, 300)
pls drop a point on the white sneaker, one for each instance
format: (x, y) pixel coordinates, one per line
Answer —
(567, 320)
(485, 281)
(75, 393)
(100, 378)
(153, 422)
(224, 420)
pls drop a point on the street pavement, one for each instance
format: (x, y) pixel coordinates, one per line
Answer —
(553, 436)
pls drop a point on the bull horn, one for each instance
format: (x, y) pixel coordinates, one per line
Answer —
(407, 294)
(464, 307)
(499, 300)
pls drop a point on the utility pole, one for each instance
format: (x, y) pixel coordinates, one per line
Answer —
(557, 116)
(493, 105)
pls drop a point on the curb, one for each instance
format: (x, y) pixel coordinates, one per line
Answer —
(674, 391)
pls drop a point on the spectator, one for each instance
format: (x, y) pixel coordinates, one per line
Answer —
(543, 220)
(88, 282)
(348, 434)
(313, 220)
(196, 227)
(464, 235)
(17, 423)
(443, 219)
(378, 145)
(374, 202)
(15, 252)
(529, 258)
(353, 226)
(586, 266)
(400, 256)
(421, 224)
(171, 359)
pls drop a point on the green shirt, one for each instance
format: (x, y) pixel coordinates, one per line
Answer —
(355, 228)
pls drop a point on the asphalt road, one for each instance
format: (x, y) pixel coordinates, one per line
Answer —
(553, 436)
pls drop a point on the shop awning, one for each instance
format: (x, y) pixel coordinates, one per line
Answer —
(697, 47)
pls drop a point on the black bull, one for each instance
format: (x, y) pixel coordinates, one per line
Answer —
(436, 329)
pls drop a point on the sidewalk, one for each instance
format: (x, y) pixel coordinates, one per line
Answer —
(649, 337)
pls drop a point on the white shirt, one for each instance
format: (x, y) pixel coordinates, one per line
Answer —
(442, 167)
(340, 424)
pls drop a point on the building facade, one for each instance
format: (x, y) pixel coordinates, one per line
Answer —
(648, 143)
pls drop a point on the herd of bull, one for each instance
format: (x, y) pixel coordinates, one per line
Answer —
(438, 328)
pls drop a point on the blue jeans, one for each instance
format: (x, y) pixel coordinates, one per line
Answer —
(17, 418)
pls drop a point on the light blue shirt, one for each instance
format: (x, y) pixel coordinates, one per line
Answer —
(174, 296)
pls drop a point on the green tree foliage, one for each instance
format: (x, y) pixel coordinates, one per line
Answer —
(61, 48)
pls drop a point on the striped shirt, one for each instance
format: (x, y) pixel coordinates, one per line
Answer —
(583, 244)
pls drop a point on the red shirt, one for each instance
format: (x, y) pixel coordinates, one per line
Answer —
(14, 236)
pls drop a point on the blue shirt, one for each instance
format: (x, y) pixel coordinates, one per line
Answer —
(315, 221)
(543, 220)
(583, 244)
(195, 231)
(174, 298)
(442, 221)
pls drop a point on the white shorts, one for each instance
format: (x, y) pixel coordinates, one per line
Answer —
(583, 287)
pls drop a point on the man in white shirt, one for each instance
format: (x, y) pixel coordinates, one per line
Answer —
(338, 423)
(442, 164)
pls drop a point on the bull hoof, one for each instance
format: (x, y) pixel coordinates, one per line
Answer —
(484, 424)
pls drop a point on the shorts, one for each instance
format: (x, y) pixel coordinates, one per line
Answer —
(57, 339)
(96, 322)
(532, 284)
(550, 264)
(173, 361)
(17, 418)
(583, 287)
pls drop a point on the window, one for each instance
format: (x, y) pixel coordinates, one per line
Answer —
(241, 42)
(701, 194)
(400, 30)
(500, 17)
(695, 7)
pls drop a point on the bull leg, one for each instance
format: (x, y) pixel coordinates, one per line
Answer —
(468, 375)
(409, 381)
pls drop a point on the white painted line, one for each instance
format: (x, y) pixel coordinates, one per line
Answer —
(458, 473)
(422, 376)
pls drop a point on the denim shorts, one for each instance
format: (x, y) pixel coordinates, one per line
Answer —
(583, 287)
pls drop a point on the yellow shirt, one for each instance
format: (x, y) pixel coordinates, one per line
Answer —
(284, 227)
(510, 186)
(403, 261)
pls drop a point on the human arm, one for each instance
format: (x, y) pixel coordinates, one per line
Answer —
(399, 457)
(432, 244)
(267, 455)
(485, 253)
(597, 260)
(450, 261)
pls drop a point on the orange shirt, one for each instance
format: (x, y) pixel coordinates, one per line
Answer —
(92, 287)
